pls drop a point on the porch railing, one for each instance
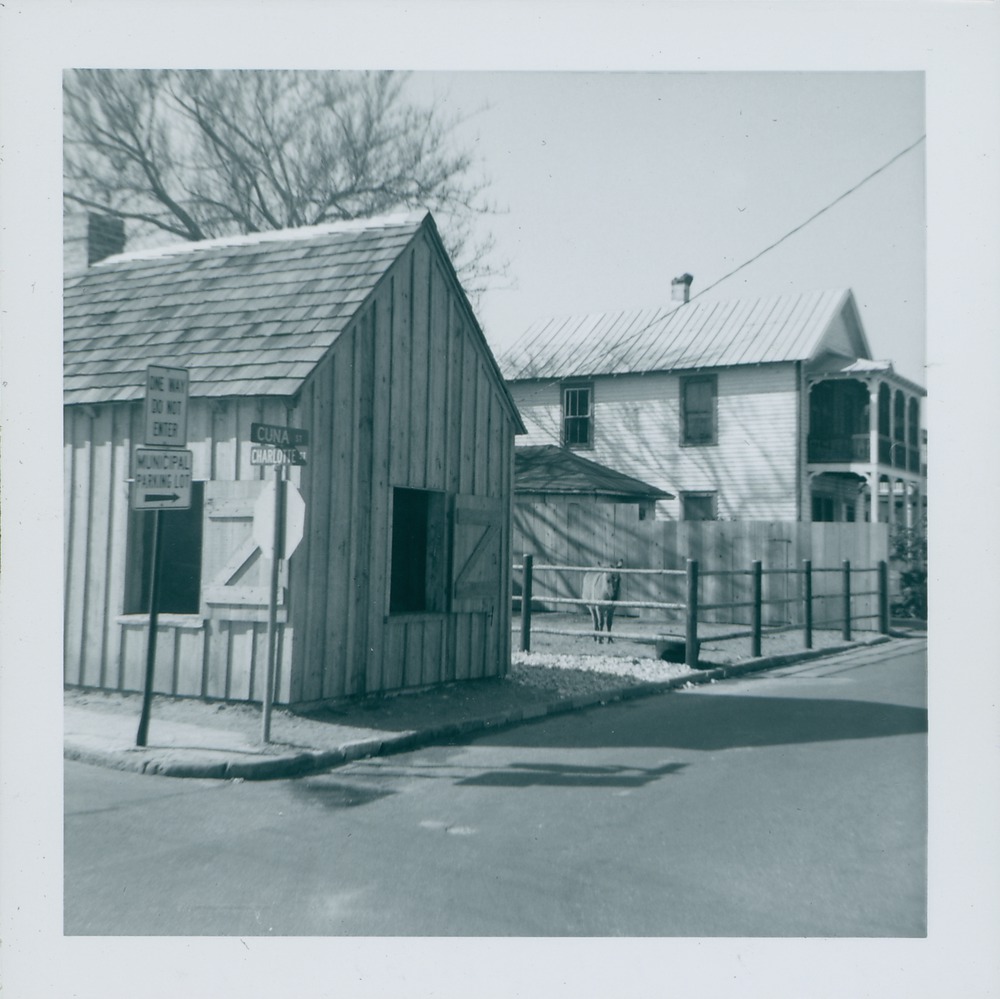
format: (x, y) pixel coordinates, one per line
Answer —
(827, 449)
(843, 448)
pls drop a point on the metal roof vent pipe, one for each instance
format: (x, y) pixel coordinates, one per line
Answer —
(680, 288)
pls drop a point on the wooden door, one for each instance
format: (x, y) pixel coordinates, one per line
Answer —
(235, 575)
(476, 547)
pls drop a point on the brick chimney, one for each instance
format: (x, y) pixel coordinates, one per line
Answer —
(90, 238)
(680, 288)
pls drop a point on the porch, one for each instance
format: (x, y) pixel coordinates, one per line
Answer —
(865, 446)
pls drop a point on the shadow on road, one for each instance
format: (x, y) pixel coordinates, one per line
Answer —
(558, 775)
(328, 791)
(719, 722)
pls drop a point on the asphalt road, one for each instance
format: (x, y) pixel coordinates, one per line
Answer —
(790, 803)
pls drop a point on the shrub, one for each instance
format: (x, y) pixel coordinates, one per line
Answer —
(908, 546)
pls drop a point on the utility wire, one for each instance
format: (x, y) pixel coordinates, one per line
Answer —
(812, 218)
(816, 215)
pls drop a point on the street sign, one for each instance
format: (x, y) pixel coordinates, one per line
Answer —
(161, 480)
(166, 406)
(271, 454)
(275, 445)
(269, 433)
(263, 519)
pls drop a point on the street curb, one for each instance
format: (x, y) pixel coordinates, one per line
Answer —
(302, 763)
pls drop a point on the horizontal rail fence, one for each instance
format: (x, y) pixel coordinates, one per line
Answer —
(757, 599)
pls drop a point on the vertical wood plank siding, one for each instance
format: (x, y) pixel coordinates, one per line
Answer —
(103, 647)
(412, 404)
(404, 398)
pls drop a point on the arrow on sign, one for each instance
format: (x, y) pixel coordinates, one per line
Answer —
(161, 497)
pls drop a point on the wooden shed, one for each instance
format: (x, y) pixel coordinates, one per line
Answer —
(358, 333)
(569, 510)
(573, 511)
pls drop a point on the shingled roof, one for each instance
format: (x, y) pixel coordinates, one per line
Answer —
(679, 336)
(248, 315)
(546, 468)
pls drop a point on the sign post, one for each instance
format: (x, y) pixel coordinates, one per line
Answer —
(280, 447)
(153, 609)
(272, 603)
(161, 480)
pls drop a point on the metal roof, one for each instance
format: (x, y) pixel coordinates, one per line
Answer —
(546, 468)
(248, 315)
(681, 335)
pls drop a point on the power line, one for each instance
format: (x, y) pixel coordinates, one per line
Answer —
(624, 343)
(816, 215)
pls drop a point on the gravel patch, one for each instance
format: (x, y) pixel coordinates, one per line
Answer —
(573, 675)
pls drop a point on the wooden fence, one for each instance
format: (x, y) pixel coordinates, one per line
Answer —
(724, 550)
(856, 598)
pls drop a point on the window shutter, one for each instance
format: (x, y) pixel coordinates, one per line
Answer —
(235, 576)
(476, 570)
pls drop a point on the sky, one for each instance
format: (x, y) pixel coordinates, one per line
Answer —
(611, 184)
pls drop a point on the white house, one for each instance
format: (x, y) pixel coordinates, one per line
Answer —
(750, 409)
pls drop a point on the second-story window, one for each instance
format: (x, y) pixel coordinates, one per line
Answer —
(698, 409)
(578, 418)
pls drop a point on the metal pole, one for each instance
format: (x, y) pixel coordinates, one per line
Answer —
(757, 574)
(153, 608)
(807, 568)
(883, 597)
(847, 600)
(691, 629)
(272, 605)
(526, 603)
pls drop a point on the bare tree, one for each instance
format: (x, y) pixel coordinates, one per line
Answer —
(197, 154)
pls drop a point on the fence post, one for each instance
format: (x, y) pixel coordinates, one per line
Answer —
(757, 575)
(883, 597)
(526, 603)
(807, 570)
(691, 630)
(847, 600)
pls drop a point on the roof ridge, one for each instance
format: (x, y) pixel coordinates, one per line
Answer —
(668, 308)
(389, 221)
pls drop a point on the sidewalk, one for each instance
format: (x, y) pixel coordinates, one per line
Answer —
(193, 738)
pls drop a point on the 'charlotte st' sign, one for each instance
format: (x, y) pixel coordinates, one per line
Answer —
(274, 445)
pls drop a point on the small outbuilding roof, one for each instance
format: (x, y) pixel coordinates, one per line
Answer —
(247, 315)
(545, 468)
(682, 335)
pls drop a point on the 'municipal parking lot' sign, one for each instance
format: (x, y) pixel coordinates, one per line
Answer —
(161, 480)
(166, 406)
